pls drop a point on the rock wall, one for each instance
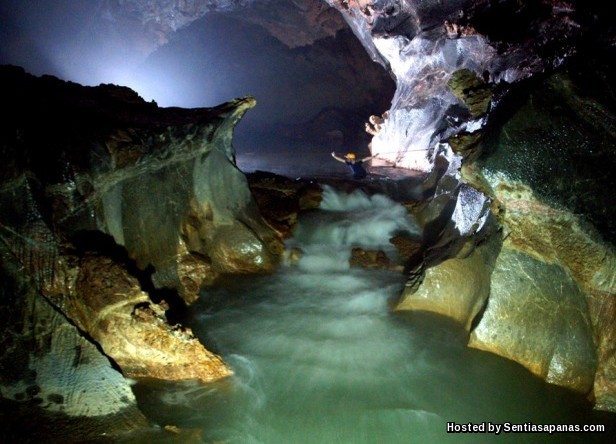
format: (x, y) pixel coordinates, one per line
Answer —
(548, 168)
(113, 211)
(551, 284)
(151, 24)
(425, 43)
(548, 291)
(51, 372)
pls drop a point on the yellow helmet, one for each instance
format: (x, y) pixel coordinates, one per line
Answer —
(350, 156)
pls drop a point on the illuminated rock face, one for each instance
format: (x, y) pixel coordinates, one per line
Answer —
(161, 182)
(552, 306)
(48, 364)
(549, 171)
(538, 316)
(426, 43)
(103, 198)
(453, 64)
(457, 288)
(108, 303)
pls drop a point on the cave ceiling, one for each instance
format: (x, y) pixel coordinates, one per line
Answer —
(295, 23)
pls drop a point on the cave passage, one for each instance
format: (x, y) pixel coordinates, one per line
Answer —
(319, 357)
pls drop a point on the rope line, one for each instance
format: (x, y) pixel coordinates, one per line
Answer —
(320, 154)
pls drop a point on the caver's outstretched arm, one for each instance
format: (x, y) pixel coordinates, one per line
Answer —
(339, 159)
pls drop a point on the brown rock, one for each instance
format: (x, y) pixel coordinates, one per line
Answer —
(557, 238)
(280, 199)
(457, 288)
(52, 375)
(537, 316)
(109, 305)
(236, 249)
(195, 272)
(409, 249)
(456, 30)
(370, 259)
(294, 255)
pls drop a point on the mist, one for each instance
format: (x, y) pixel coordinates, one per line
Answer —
(310, 99)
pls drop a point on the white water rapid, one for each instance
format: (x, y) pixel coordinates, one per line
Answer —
(320, 358)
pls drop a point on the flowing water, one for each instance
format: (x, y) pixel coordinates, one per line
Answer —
(319, 357)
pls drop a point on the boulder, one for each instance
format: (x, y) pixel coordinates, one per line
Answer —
(108, 303)
(457, 288)
(369, 259)
(538, 316)
(281, 199)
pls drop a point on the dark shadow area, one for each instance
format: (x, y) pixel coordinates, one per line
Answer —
(103, 244)
(311, 100)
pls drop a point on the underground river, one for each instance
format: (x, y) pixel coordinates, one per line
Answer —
(319, 357)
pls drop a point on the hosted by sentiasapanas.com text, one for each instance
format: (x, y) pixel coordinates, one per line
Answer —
(528, 427)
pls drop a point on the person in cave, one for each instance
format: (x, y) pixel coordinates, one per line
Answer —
(356, 165)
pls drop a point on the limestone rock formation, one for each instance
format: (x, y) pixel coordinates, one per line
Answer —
(151, 24)
(571, 271)
(369, 259)
(471, 90)
(548, 167)
(106, 151)
(546, 172)
(51, 374)
(281, 199)
(409, 249)
(457, 288)
(295, 23)
(537, 315)
(502, 43)
(108, 303)
(112, 211)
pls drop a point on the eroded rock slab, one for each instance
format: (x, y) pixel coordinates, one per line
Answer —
(538, 316)
(108, 304)
(53, 373)
(102, 197)
(457, 288)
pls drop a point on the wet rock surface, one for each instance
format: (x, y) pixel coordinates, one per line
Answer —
(54, 380)
(115, 213)
(460, 71)
(106, 151)
(558, 139)
(537, 316)
(369, 259)
(433, 49)
(109, 304)
(547, 167)
(549, 293)
(280, 199)
(471, 90)
(457, 288)
(560, 241)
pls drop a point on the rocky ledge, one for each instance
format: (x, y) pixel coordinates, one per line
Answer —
(113, 214)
